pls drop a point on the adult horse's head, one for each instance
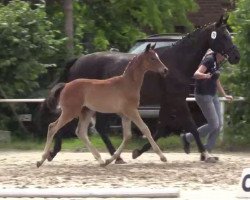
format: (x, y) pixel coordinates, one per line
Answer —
(151, 60)
(221, 41)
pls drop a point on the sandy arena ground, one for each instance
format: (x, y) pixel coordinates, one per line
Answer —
(194, 179)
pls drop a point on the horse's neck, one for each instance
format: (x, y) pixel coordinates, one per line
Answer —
(191, 51)
(134, 74)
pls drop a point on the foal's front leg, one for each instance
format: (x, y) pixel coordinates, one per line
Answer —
(126, 126)
(136, 118)
(52, 129)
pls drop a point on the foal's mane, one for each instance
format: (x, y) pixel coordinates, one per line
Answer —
(130, 64)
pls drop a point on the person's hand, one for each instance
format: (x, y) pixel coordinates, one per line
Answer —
(229, 98)
(208, 76)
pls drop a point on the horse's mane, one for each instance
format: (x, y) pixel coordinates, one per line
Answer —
(187, 37)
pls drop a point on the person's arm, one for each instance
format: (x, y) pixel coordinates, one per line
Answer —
(200, 73)
(222, 91)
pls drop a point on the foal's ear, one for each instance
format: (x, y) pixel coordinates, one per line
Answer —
(153, 46)
(148, 47)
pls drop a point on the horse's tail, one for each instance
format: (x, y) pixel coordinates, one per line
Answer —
(65, 72)
(51, 101)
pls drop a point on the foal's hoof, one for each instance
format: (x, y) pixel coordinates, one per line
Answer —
(50, 157)
(38, 164)
(216, 158)
(163, 159)
(104, 164)
(136, 153)
(120, 161)
(211, 160)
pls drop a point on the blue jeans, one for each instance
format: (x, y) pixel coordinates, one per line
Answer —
(210, 107)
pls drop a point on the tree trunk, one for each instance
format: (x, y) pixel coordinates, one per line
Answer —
(69, 31)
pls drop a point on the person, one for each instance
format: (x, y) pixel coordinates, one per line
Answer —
(207, 83)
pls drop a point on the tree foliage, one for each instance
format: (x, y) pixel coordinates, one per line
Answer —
(118, 23)
(28, 44)
(100, 24)
(239, 80)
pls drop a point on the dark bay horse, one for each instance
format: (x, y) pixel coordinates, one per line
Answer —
(182, 60)
(81, 98)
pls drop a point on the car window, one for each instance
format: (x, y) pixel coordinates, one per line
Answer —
(140, 46)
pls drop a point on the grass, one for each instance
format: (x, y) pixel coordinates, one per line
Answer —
(170, 143)
(166, 144)
(74, 143)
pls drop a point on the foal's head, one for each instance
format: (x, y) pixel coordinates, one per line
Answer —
(151, 62)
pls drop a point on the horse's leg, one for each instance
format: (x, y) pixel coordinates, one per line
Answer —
(102, 128)
(52, 130)
(82, 133)
(190, 126)
(126, 126)
(57, 146)
(136, 118)
(158, 134)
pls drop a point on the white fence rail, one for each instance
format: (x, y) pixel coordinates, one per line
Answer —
(145, 111)
(42, 99)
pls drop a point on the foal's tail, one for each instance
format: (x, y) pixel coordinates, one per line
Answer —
(48, 111)
(52, 100)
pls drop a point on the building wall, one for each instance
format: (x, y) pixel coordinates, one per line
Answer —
(210, 11)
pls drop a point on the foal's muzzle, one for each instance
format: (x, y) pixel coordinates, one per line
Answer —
(164, 72)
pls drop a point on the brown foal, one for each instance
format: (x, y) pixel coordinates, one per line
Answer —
(121, 94)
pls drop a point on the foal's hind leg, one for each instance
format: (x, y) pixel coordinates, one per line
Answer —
(82, 132)
(126, 125)
(52, 130)
(136, 118)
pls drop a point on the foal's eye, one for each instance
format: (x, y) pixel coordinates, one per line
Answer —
(153, 58)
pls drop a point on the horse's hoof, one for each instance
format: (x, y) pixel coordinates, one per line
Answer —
(163, 159)
(136, 153)
(211, 160)
(38, 164)
(203, 157)
(120, 161)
